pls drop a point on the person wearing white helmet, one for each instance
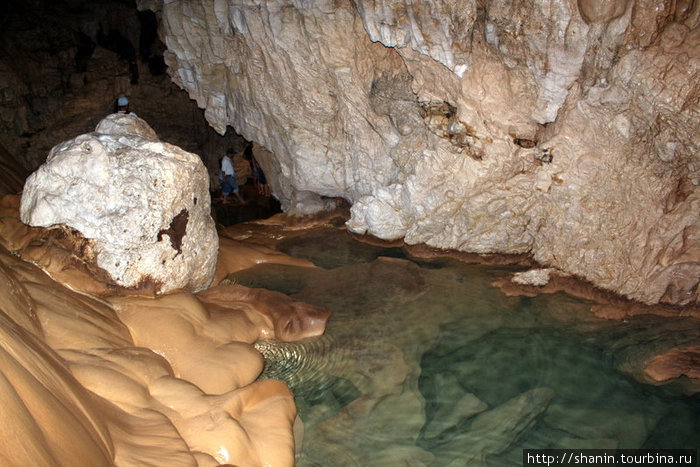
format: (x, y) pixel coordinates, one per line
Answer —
(123, 106)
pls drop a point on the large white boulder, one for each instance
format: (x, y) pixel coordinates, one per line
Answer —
(143, 203)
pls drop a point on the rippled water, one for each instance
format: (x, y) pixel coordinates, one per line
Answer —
(426, 363)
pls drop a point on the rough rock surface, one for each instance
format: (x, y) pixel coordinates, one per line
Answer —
(14, 173)
(563, 129)
(536, 277)
(144, 204)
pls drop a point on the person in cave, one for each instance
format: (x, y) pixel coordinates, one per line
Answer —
(122, 106)
(227, 178)
(259, 179)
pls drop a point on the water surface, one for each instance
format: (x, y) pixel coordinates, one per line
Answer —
(427, 363)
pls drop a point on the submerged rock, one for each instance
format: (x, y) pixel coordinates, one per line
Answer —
(454, 407)
(493, 432)
(143, 204)
(626, 430)
(677, 362)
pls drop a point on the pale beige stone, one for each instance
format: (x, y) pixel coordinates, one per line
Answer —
(423, 130)
(536, 277)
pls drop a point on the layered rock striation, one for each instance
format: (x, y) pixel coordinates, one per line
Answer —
(563, 129)
(143, 205)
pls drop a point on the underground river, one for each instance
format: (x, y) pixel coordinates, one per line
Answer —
(426, 362)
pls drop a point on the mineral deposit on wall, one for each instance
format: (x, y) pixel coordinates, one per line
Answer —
(567, 130)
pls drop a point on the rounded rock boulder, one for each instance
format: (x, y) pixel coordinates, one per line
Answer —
(143, 203)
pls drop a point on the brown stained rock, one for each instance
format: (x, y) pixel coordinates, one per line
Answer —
(441, 119)
(54, 420)
(372, 240)
(525, 143)
(289, 320)
(63, 253)
(138, 391)
(677, 362)
(270, 232)
(606, 305)
(335, 217)
(237, 255)
(426, 252)
(15, 301)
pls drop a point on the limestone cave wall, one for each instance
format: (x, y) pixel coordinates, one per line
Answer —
(564, 129)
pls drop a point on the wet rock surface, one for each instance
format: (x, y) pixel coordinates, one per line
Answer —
(134, 379)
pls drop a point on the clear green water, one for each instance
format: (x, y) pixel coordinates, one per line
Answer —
(426, 363)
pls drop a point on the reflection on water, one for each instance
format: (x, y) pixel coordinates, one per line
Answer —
(431, 365)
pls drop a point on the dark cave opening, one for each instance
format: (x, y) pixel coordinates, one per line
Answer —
(64, 64)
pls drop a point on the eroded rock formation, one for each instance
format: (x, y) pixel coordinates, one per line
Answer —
(143, 205)
(104, 382)
(565, 130)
